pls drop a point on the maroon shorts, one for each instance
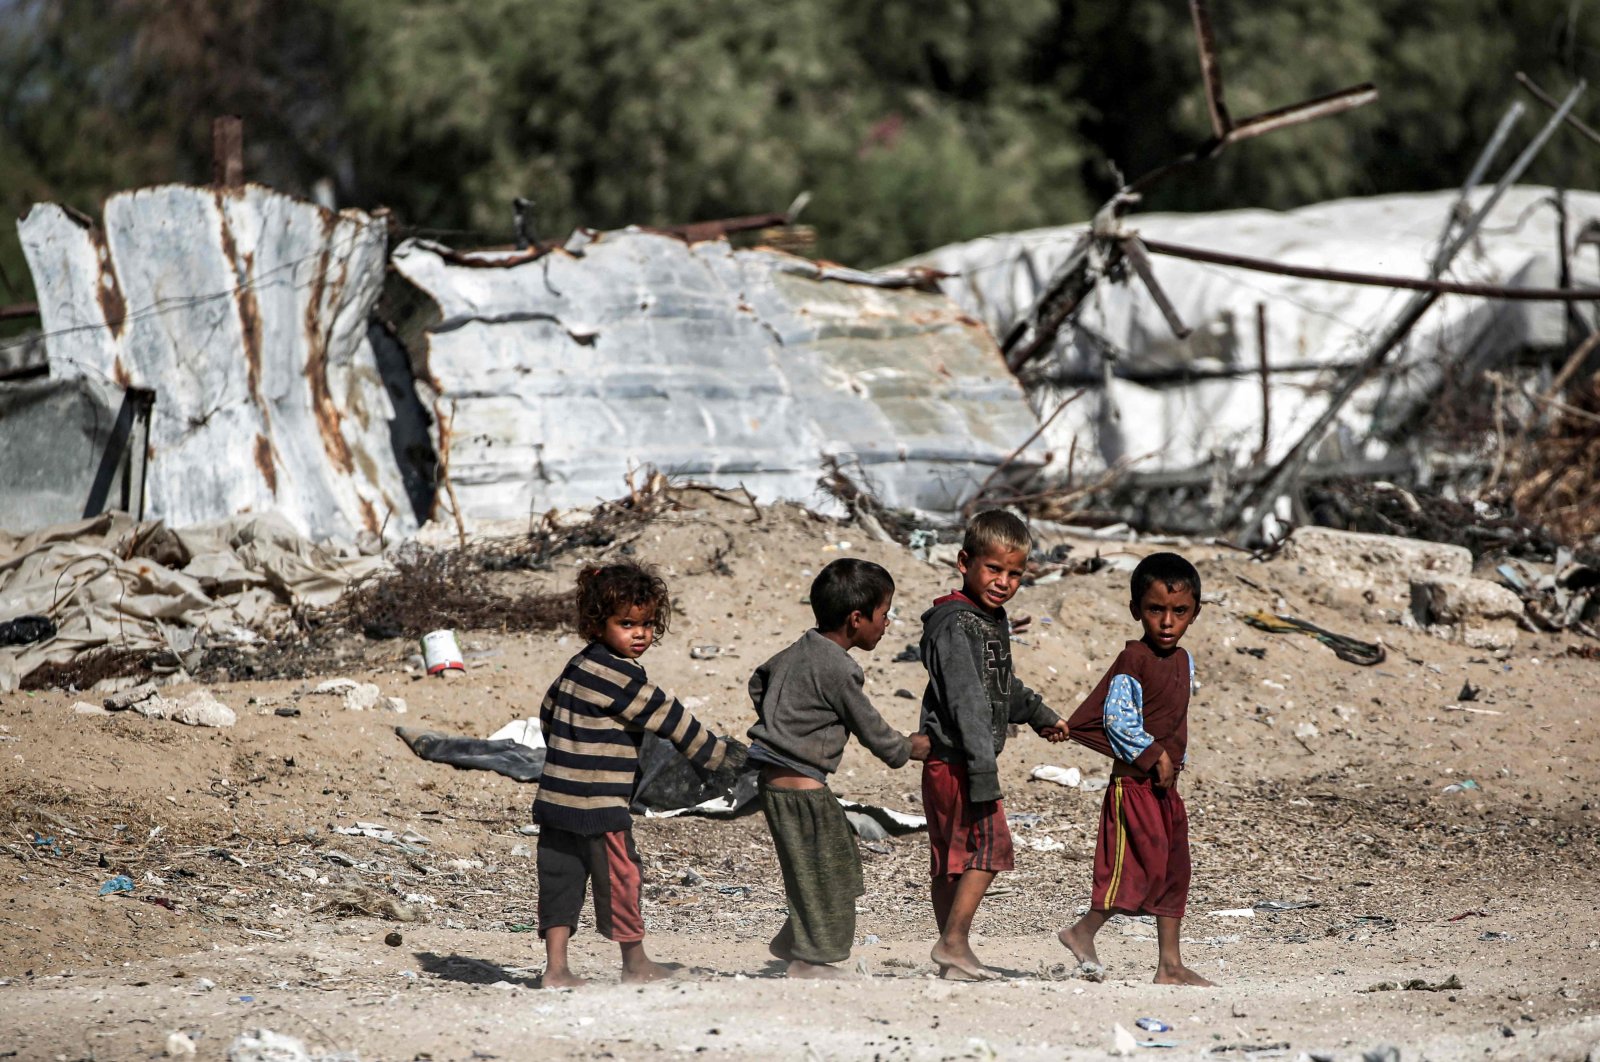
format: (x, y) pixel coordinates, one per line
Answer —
(1141, 860)
(569, 861)
(964, 835)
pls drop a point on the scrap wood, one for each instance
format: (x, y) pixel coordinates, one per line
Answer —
(1344, 647)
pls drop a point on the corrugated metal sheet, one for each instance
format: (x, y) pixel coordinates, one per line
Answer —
(246, 311)
(558, 373)
(1314, 327)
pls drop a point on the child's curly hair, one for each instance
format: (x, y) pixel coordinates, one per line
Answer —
(603, 592)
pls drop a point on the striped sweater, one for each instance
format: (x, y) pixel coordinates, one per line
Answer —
(594, 718)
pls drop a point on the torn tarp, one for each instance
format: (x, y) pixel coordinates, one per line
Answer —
(505, 756)
(113, 582)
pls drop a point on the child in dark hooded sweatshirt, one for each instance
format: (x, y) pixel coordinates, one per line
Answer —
(971, 702)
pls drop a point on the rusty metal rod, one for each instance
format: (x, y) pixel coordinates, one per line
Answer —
(1548, 100)
(1309, 110)
(1375, 280)
(1133, 249)
(1210, 68)
(1265, 122)
(18, 311)
(1266, 383)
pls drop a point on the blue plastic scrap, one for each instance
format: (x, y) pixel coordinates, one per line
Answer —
(1153, 1025)
(120, 883)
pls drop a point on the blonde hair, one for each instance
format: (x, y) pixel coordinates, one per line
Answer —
(995, 529)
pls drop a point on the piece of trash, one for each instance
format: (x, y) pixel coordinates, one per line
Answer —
(523, 732)
(440, 653)
(1469, 692)
(161, 901)
(1025, 819)
(1416, 984)
(1462, 787)
(264, 1045)
(1285, 905)
(504, 756)
(25, 630)
(286, 712)
(1153, 1025)
(909, 655)
(1158, 1043)
(1466, 914)
(1345, 648)
(1044, 843)
(1070, 777)
(51, 843)
(1306, 730)
(522, 927)
(1493, 935)
(735, 890)
(870, 938)
(1235, 912)
(1122, 1041)
(179, 1045)
(394, 939)
(1094, 785)
(120, 883)
(704, 652)
(1245, 650)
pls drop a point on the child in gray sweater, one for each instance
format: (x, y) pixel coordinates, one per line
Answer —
(809, 700)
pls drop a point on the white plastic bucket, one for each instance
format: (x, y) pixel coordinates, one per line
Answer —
(441, 653)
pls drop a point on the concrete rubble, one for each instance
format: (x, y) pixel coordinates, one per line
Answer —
(1476, 612)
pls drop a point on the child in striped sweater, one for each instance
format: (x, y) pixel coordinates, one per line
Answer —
(594, 718)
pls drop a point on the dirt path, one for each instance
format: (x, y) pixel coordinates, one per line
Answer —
(1313, 781)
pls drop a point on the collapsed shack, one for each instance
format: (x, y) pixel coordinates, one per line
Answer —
(1180, 427)
(552, 373)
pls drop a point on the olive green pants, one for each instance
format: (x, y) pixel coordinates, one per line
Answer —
(821, 870)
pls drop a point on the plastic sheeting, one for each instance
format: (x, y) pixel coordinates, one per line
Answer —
(1314, 329)
(246, 311)
(555, 375)
(111, 581)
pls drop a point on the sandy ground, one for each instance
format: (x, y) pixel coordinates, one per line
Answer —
(1496, 886)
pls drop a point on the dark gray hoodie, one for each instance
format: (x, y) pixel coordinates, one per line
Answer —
(972, 696)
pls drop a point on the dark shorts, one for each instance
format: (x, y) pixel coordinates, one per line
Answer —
(569, 861)
(1141, 859)
(963, 835)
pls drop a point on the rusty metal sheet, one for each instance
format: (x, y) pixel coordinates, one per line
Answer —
(732, 366)
(246, 311)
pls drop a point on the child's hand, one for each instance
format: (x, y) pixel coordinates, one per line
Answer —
(1166, 772)
(1055, 733)
(920, 746)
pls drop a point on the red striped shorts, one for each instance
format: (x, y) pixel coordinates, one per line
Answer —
(963, 835)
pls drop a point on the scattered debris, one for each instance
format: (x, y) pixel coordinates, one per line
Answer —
(120, 883)
(264, 1045)
(1286, 905)
(1155, 1025)
(1416, 984)
(369, 902)
(24, 630)
(1462, 786)
(1345, 648)
(1049, 772)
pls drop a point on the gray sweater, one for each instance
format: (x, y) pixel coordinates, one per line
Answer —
(809, 700)
(972, 697)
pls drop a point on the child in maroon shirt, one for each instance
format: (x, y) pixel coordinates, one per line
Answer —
(1139, 716)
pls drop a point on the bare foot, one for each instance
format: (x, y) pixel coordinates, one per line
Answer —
(562, 979)
(961, 964)
(644, 972)
(1081, 944)
(1181, 975)
(814, 971)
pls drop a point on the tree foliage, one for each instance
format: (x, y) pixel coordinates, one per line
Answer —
(913, 122)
